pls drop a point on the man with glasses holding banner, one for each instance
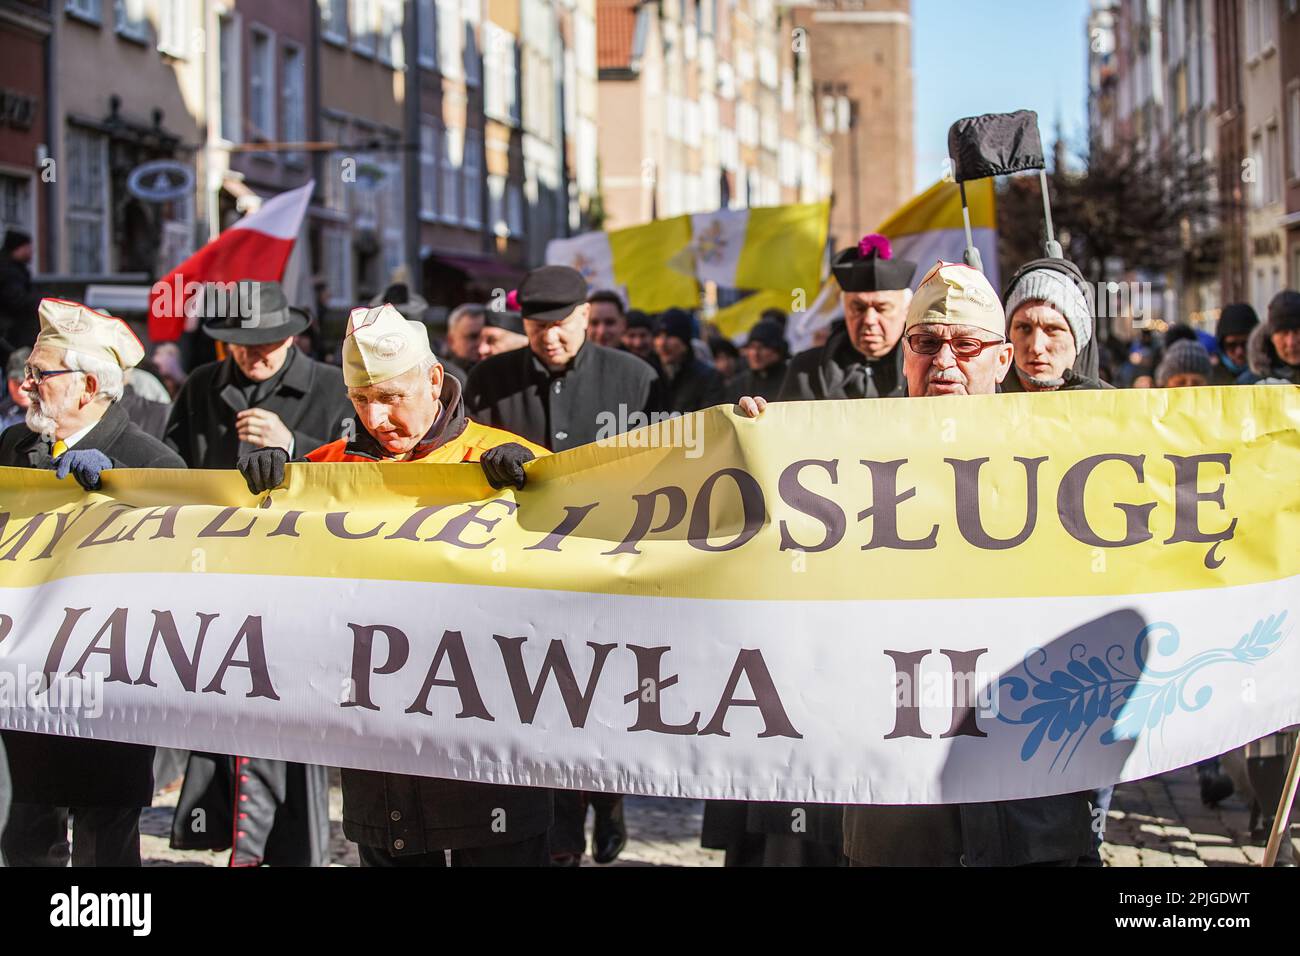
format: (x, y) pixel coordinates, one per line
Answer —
(955, 344)
(76, 426)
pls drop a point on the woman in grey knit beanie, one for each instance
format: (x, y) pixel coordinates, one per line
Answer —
(1185, 363)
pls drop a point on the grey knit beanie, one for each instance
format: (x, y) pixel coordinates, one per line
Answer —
(1055, 289)
(1182, 358)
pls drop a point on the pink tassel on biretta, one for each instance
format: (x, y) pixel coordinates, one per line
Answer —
(875, 243)
(512, 300)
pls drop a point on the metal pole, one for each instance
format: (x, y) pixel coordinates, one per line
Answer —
(1053, 247)
(972, 255)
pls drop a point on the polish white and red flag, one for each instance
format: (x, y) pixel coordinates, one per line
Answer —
(256, 248)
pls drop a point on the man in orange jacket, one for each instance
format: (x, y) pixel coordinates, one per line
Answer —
(409, 410)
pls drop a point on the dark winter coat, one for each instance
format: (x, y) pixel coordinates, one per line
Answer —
(310, 399)
(515, 391)
(1264, 361)
(827, 371)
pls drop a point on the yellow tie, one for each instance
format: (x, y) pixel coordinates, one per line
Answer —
(60, 447)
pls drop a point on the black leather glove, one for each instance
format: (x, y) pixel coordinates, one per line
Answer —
(263, 469)
(504, 464)
(84, 464)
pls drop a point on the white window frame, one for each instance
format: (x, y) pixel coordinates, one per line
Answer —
(174, 28)
(330, 31)
(267, 130)
(75, 213)
(293, 102)
(130, 20)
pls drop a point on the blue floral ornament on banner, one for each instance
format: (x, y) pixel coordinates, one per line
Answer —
(1134, 698)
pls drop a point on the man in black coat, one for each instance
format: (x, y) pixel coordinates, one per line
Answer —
(862, 357)
(75, 426)
(17, 300)
(265, 394)
(561, 392)
(689, 384)
(767, 357)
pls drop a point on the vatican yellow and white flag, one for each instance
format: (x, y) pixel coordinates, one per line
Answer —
(926, 229)
(920, 600)
(662, 264)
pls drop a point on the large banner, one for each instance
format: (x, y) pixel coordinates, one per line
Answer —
(894, 601)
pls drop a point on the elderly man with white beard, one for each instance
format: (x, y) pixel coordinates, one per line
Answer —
(955, 344)
(75, 426)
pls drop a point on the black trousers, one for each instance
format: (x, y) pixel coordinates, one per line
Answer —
(569, 831)
(535, 851)
(37, 835)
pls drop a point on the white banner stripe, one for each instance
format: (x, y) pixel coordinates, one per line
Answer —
(1222, 661)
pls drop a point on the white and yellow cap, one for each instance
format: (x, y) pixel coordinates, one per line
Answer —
(380, 344)
(71, 325)
(955, 294)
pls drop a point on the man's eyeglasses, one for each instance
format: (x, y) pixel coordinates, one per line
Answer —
(1233, 344)
(963, 346)
(39, 375)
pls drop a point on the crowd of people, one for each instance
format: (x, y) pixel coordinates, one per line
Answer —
(503, 386)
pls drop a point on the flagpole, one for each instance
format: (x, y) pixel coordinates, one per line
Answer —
(1281, 821)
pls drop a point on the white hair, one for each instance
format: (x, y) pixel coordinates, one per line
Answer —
(108, 375)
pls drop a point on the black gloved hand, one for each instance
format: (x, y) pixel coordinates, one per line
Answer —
(84, 464)
(504, 464)
(263, 469)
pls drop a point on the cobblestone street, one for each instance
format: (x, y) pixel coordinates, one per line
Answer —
(1154, 822)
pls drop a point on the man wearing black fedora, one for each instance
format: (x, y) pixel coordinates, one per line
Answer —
(266, 393)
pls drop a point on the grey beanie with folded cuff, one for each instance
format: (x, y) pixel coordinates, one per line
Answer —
(1054, 289)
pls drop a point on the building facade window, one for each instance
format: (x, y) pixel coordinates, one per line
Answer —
(332, 130)
(87, 183)
(453, 141)
(429, 151)
(130, 21)
(261, 83)
(293, 100)
(334, 20)
(500, 82)
(1293, 127)
(86, 9)
(364, 20)
(16, 207)
(228, 53)
(428, 52)
(1273, 164)
(392, 51)
(451, 32)
(336, 242)
(472, 180)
